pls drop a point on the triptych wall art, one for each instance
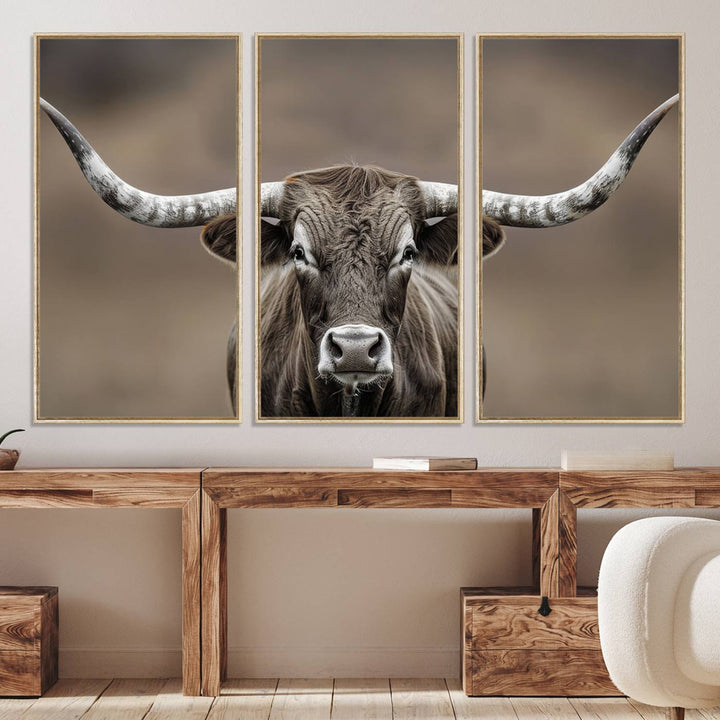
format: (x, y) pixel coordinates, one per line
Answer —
(361, 252)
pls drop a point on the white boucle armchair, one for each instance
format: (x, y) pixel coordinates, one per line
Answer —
(659, 612)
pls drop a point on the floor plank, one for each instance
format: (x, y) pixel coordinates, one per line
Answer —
(703, 714)
(170, 704)
(421, 698)
(362, 699)
(605, 709)
(470, 708)
(13, 708)
(302, 700)
(125, 700)
(649, 712)
(343, 699)
(542, 708)
(244, 700)
(653, 712)
(68, 699)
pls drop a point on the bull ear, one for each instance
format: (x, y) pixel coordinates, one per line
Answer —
(438, 241)
(219, 238)
(493, 237)
(274, 243)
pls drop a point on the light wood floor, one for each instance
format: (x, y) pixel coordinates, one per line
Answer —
(377, 699)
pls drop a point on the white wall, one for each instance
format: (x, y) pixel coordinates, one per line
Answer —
(315, 592)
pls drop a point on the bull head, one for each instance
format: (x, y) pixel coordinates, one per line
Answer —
(354, 237)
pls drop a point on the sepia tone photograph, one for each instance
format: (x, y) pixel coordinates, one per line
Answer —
(580, 299)
(359, 197)
(137, 142)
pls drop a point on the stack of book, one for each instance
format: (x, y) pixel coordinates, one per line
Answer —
(424, 463)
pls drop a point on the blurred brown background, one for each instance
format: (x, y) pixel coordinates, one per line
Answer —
(389, 102)
(134, 320)
(582, 320)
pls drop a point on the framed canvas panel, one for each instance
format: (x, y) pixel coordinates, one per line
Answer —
(580, 264)
(137, 175)
(359, 216)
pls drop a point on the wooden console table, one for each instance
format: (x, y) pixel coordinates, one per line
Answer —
(223, 488)
(205, 495)
(554, 496)
(155, 488)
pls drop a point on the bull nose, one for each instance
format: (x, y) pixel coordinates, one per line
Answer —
(361, 351)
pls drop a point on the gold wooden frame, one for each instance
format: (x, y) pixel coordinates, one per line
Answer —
(479, 419)
(37, 38)
(459, 37)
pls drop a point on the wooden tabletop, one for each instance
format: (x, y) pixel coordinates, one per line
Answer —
(98, 487)
(364, 487)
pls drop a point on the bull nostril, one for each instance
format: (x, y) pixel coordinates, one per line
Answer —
(376, 348)
(335, 349)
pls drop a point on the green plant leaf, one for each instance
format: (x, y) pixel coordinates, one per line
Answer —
(10, 433)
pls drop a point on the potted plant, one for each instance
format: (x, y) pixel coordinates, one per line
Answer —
(8, 458)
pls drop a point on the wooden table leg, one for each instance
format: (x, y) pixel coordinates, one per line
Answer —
(214, 595)
(191, 595)
(555, 530)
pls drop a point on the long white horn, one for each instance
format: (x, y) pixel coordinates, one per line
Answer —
(168, 211)
(270, 198)
(440, 198)
(540, 211)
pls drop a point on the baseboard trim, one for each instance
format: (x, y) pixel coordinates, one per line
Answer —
(269, 661)
(120, 662)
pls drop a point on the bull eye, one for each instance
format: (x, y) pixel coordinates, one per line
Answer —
(409, 254)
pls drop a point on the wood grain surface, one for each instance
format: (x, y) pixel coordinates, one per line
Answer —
(541, 672)
(126, 699)
(303, 699)
(68, 699)
(471, 708)
(394, 498)
(28, 640)
(49, 641)
(557, 557)
(19, 627)
(172, 704)
(362, 699)
(246, 699)
(86, 487)
(20, 673)
(652, 489)
(501, 625)
(421, 698)
(365, 488)
(214, 595)
(191, 599)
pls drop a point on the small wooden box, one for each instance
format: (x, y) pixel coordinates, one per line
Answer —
(28, 640)
(510, 648)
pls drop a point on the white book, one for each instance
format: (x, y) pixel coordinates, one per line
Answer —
(626, 460)
(424, 463)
